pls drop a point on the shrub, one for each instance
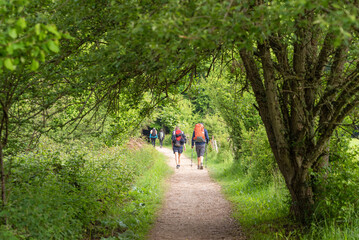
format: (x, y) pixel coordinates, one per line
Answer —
(338, 198)
(66, 192)
(256, 158)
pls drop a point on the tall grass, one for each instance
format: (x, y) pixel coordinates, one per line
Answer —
(263, 209)
(82, 191)
(337, 211)
(259, 210)
(146, 197)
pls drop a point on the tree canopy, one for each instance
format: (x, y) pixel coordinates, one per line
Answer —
(92, 59)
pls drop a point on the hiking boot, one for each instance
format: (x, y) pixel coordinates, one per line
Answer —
(177, 166)
(201, 167)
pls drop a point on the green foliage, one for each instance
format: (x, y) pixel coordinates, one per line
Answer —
(342, 173)
(67, 192)
(178, 113)
(330, 230)
(256, 158)
(146, 196)
(261, 210)
(236, 108)
(217, 129)
(24, 41)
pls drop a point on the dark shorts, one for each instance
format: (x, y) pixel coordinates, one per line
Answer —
(200, 149)
(178, 149)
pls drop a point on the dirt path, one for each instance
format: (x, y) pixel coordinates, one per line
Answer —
(194, 207)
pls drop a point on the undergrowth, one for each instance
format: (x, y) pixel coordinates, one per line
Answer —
(263, 210)
(80, 191)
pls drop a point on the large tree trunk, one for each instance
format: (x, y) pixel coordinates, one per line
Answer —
(299, 110)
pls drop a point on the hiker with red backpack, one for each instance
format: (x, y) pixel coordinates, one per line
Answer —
(178, 144)
(153, 136)
(200, 138)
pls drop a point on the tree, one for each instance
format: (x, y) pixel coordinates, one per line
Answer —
(300, 59)
(305, 85)
(305, 79)
(24, 43)
(111, 56)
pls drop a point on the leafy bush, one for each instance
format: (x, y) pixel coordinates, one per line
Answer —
(66, 192)
(257, 208)
(256, 158)
(342, 173)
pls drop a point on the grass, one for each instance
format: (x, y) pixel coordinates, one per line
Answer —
(331, 231)
(77, 192)
(138, 215)
(261, 211)
(345, 226)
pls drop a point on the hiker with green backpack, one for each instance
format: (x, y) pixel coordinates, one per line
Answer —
(200, 138)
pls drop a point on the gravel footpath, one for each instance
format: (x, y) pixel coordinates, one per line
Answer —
(194, 207)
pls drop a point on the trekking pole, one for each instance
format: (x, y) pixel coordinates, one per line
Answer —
(205, 163)
(191, 156)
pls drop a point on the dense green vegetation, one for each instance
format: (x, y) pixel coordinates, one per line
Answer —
(79, 190)
(274, 82)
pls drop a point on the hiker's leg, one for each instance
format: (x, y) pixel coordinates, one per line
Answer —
(201, 150)
(198, 158)
(176, 158)
(179, 159)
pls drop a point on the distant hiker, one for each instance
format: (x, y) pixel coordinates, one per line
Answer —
(200, 138)
(178, 143)
(161, 136)
(153, 136)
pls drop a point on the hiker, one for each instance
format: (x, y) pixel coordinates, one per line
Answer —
(200, 138)
(178, 144)
(153, 136)
(161, 136)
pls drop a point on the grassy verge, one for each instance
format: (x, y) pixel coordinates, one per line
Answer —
(263, 210)
(146, 198)
(340, 208)
(260, 211)
(81, 191)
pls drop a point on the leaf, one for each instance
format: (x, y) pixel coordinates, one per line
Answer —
(13, 33)
(42, 56)
(53, 46)
(10, 49)
(52, 29)
(21, 23)
(9, 64)
(34, 65)
(37, 29)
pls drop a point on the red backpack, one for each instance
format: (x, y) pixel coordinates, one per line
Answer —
(177, 138)
(199, 133)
